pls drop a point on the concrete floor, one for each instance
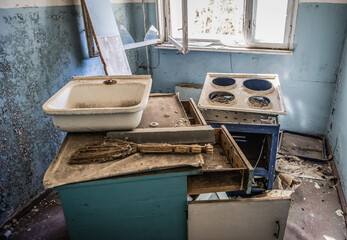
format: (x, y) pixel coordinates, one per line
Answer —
(45, 221)
(312, 216)
(314, 213)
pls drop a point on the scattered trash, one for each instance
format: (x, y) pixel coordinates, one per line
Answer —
(181, 122)
(328, 238)
(339, 212)
(259, 101)
(279, 193)
(316, 185)
(6, 234)
(166, 115)
(286, 182)
(221, 97)
(34, 209)
(303, 168)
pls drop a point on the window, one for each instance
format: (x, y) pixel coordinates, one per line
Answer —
(227, 24)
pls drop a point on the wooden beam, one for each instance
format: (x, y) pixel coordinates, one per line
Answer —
(89, 33)
(178, 135)
(214, 182)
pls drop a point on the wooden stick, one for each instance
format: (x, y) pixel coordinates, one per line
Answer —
(168, 148)
(111, 149)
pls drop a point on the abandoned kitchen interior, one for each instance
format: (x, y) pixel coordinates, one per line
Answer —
(173, 119)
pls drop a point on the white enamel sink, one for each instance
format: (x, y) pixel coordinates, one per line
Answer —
(88, 104)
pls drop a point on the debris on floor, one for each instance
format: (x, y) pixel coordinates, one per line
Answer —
(44, 221)
(298, 167)
(315, 213)
(315, 202)
(339, 212)
(286, 182)
(181, 122)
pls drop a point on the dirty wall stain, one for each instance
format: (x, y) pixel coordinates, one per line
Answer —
(38, 49)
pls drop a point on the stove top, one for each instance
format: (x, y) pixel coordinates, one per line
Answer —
(250, 93)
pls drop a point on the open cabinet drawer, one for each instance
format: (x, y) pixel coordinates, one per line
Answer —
(227, 169)
(261, 218)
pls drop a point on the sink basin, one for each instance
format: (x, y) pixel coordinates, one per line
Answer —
(89, 104)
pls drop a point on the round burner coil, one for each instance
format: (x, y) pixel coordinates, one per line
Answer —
(221, 97)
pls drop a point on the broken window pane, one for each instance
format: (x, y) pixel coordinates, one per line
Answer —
(211, 20)
(270, 20)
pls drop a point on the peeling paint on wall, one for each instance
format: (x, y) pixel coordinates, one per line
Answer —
(37, 57)
(40, 50)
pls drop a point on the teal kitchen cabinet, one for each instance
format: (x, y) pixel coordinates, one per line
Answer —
(152, 206)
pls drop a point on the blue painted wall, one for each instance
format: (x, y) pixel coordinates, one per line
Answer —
(41, 48)
(307, 77)
(337, 127)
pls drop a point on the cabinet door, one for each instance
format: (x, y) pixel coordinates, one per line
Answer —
(253, 218)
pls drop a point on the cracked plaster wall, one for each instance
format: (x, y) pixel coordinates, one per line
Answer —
(41, 48)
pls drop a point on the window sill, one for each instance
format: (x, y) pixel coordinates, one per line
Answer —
(220, 48)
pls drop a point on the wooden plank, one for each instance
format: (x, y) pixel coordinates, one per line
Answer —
(217, 134)
(237, 148)
(238, 156)
(89, 33)
(217, 161)
(113, 55)
(214, 182)
(193, 112)
(107, 37)
(195, 109)
(179, 135)
(244, 219)
(230, 151)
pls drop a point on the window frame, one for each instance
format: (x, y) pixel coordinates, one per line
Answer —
(164, 26)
